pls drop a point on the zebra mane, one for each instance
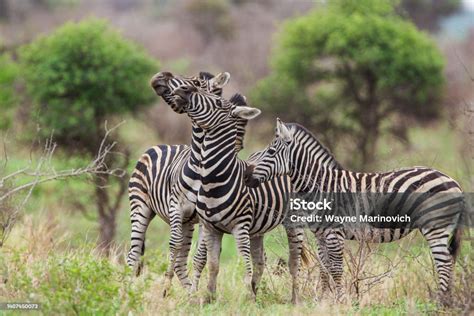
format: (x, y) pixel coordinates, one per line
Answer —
(304, 130)
(206, 75)
(238, 99)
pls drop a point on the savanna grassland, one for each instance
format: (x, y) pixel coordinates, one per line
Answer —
(384, 84)
(51, 256)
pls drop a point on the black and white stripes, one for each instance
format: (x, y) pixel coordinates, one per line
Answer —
(164, 182)
(312, 168)
(224, 203)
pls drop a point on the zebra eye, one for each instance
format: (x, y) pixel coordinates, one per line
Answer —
(197, 83)
(271, 151)
(219, 103)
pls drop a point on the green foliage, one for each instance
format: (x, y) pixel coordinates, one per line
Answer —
(77, 283)
(8, 75)
(81, 74)
(357, 58)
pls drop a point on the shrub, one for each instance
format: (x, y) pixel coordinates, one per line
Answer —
(81, 74)
(351, 66)
(8, 75)
(76, 282)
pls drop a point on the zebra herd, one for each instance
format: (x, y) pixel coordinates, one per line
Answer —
(207, 184)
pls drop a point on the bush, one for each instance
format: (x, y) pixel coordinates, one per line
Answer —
(83, 73)
(76, 282)
(353, 65)
(8, 75)
(79, 76)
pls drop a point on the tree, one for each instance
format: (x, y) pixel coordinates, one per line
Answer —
(77, 77)
(23, 181)
(350, 67)
(8, 76)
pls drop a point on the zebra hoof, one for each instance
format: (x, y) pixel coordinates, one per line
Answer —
(209, 299)
(194, 300)
(166, 287)
(252, 297)
(295, 300)
(445, 299)
(139, 269)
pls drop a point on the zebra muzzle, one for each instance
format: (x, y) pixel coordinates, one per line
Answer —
(249, 179)
(159, 82)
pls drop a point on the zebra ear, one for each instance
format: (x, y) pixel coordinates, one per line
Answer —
(283, 131)
(246, 112)
(220, 80)
(205, 75)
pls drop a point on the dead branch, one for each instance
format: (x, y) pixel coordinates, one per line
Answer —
(43, 171)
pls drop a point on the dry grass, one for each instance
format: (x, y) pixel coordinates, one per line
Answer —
(395, 279)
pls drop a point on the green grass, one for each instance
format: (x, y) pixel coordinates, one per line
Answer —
(51, 254)
(40, 265)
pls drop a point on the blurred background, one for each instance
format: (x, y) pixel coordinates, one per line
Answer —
(384, 84)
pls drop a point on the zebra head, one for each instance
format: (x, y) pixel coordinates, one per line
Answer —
(210, 111)
(165, 82)
(274, 160)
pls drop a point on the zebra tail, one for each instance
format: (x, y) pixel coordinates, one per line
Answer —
(305, 255)
(455, 242)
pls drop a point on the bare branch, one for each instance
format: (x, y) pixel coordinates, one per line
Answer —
(43, 171)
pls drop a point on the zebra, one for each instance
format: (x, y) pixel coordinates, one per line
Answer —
(153, 181)
(296, 152)
(224, 204)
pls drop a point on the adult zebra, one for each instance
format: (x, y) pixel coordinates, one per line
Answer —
(224, 203)
(433, 199)
(165, 173)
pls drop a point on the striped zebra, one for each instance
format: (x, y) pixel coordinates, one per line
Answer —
(165, 173)
(224, 203)
(296, 152)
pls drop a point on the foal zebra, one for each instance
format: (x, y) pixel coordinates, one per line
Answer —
(162, 173)
(224, 203)
(296, 152)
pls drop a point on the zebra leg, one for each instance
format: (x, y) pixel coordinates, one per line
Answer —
(324, 264)
(213, 242)
(140, 217)
(242, 239)
(258, 259)
(335, 247)
(176, 241)
(181, 261)
(438, 240)
(295, 245)
(199, 260)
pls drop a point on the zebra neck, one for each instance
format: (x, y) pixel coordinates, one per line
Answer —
(240, 125)
(218, 153)
(313, 168)
(197, 139)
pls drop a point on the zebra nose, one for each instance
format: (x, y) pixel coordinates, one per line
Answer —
(165, 75)
(249, 180)
(159, 82)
